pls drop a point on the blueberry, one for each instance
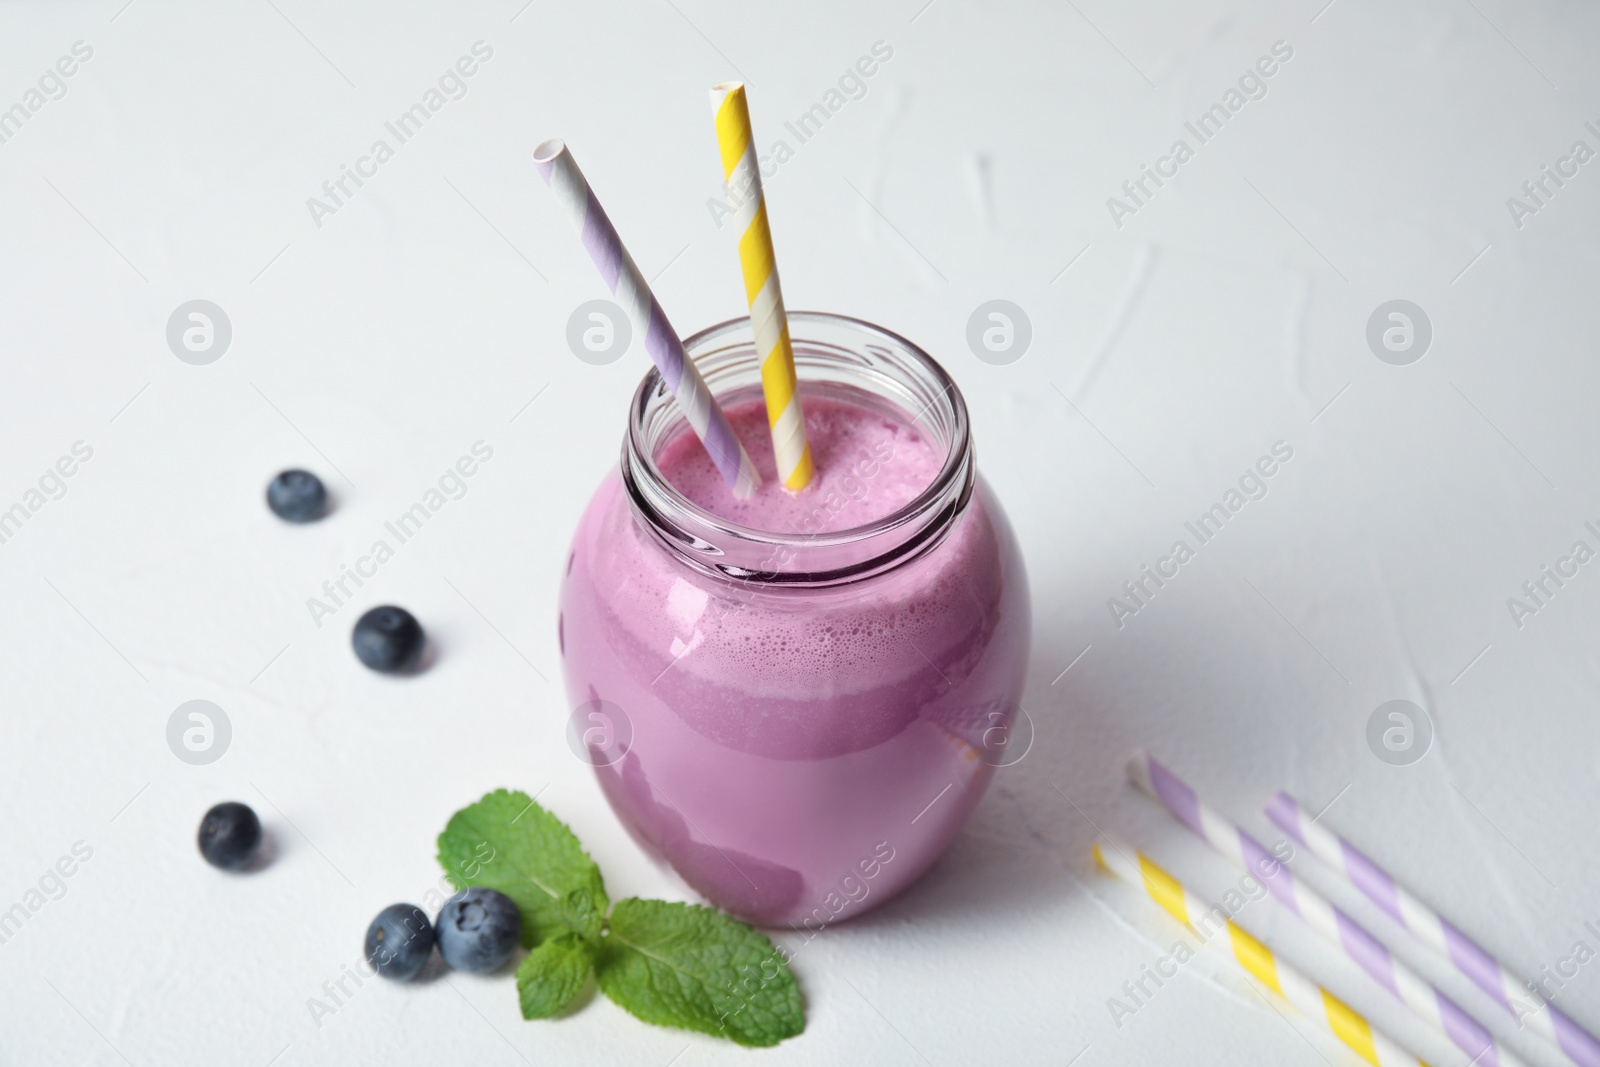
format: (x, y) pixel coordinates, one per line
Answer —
(230, 834)
(398, 941)
(387, 639)
(478, 929)
(297, 496)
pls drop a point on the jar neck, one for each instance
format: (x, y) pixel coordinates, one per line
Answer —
(837, 358)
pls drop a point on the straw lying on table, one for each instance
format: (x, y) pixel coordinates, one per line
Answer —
(561, 173)
(742, 173)
(1433, 930)
(1310, 998)
(1424, 1000)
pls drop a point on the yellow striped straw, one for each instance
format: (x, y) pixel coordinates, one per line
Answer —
(742, 173)
(1205, 920)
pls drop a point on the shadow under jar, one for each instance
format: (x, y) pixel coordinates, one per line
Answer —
(807, 718)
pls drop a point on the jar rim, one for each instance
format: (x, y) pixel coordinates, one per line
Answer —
(725, 547)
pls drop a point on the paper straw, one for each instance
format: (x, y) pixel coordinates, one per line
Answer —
(742, 173)
(560, 172)
(1425, 1001)
(1311, 999)
(1429, 927)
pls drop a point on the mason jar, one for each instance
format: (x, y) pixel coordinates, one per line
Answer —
(798, 722)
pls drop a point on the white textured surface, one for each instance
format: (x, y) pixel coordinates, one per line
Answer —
(1222, 317)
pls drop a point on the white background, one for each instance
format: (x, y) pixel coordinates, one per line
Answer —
(1228, 313)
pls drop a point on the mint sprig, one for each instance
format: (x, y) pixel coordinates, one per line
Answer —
(670, 964)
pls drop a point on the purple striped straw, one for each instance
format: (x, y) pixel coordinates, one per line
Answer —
(1425, 1001)
(1434, 931)
(560, 172)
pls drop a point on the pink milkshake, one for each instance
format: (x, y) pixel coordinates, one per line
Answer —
(819, 685)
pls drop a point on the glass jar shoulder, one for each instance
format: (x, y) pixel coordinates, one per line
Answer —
(626, 589)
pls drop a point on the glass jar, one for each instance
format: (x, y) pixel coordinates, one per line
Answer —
(799, 723)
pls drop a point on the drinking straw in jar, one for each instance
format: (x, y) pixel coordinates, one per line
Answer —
(560, 172)
(742, 173)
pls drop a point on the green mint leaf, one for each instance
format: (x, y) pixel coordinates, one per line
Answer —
(553, 974)
(695, 968)
(507, 842)
(582, 915)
